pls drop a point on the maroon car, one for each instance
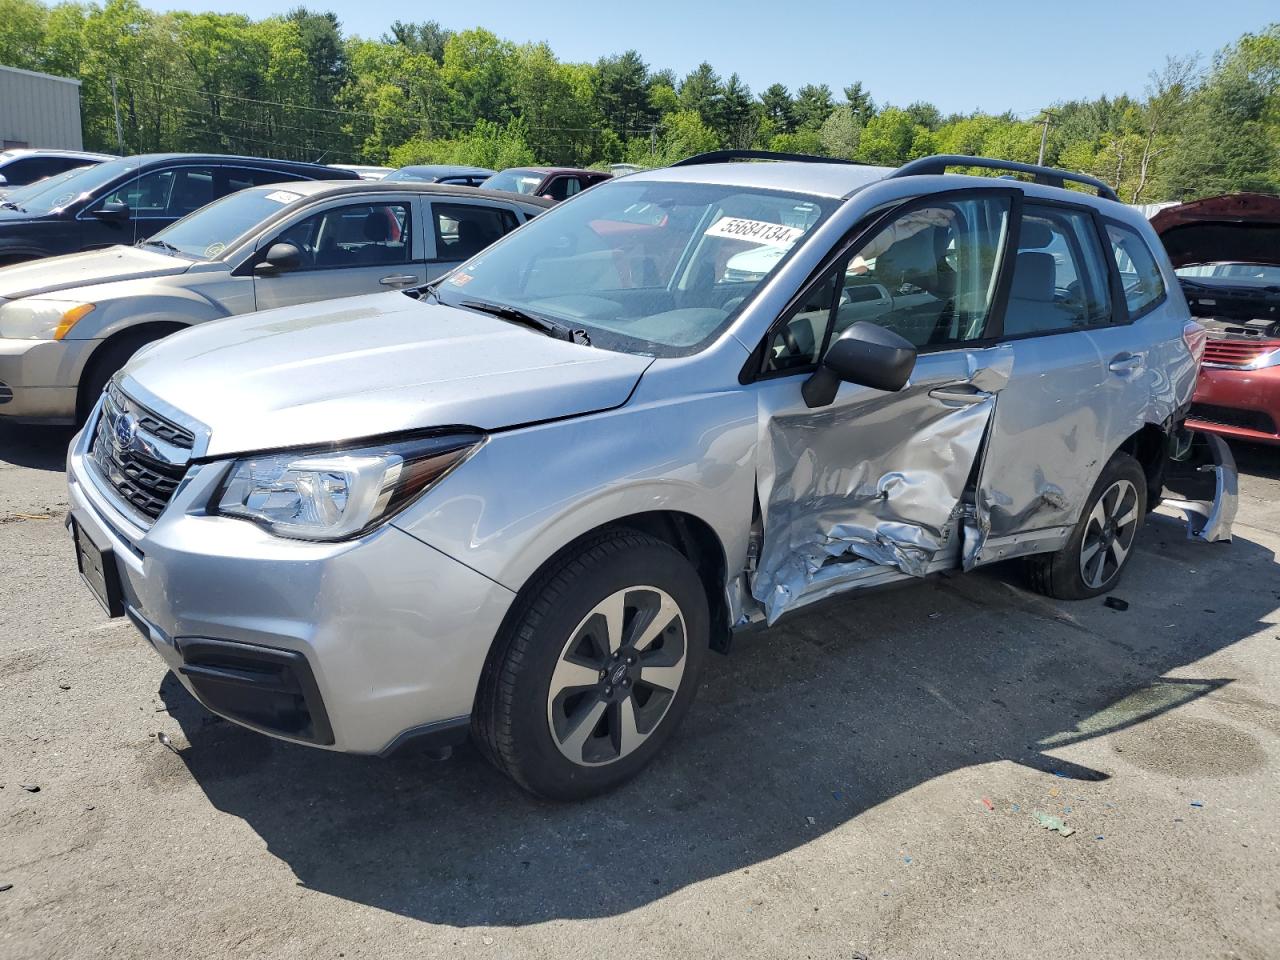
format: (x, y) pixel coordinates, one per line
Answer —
(552, 183)
(1227, 254)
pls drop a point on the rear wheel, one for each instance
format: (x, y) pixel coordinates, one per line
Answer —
(1102, 542)
(598, 666)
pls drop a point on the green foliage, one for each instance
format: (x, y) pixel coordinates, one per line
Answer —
(297, 86)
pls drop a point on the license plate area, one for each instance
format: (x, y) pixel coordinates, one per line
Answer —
(98, 570)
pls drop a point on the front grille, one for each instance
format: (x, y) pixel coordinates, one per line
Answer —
(141, 456)
(6, 393)
(1237, 353)
(1231, 417)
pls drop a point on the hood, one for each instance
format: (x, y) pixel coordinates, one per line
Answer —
(40, 277)
(363, 366)
(1237, 228)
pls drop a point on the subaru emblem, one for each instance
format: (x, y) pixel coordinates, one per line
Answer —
(126, 429)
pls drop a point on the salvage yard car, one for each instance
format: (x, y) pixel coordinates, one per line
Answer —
(128, 199)
(1226, 251)
(67, 324)
(553, 183)
(524, 501)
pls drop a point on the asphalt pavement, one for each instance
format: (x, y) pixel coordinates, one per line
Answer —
(955, 768)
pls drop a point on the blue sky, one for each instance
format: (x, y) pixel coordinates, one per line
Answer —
(961, 55)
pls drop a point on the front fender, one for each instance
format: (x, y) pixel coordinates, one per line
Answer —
(530, 491)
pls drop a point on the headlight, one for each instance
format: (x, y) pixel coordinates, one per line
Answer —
(339, 494)
(36, 319)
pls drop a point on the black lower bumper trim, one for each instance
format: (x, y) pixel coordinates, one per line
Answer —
(440, 736)
(264, 687)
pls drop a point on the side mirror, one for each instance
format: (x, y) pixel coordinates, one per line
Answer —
(113, 211)
(864, 354)
(279, 258)
(3, 181)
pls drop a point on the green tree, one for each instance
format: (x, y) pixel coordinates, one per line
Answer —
(813, 105)
(778, 108)
(701, 92)
(739, 118)
(860, 103)
(841, 133)
(622, 93)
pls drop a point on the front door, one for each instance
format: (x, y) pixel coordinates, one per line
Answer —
(154, 200)
(869, 488)
(349, 248)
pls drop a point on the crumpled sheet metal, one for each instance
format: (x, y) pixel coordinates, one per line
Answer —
(876, 492)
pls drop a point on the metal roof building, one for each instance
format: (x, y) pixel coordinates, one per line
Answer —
(39, 110)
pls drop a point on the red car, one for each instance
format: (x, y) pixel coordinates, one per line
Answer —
(1227, 254)
(551, 183)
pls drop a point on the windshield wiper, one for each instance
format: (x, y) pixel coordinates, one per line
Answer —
(10, 205)
(515, 315)
(162, 244)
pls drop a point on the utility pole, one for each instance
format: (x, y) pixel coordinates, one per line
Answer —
(115, 107)
(1044, 136)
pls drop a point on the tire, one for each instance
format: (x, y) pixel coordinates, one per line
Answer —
(559, 713)
(106, 362)
(1093, 559)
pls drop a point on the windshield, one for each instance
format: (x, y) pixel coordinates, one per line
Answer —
(1232, 271)
(515, 181)
(406, 174)
(55, 193)
(212, 230)
(643, 267)
(18, 195)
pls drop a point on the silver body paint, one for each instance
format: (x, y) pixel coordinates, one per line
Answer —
(870, 489)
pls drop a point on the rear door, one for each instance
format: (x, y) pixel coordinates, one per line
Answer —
(1052, 431)
(869, 488)
(458, 229)
(349, 247)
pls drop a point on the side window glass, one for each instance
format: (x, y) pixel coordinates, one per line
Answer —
(464, 229)
(1059, 276)
(357, 235)
(1139, 272)
(562, 188)
(166, 193)
(929, 276)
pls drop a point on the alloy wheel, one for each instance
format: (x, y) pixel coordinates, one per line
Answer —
(617, 676)
(1108, 534)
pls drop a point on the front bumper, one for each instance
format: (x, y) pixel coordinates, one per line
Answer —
(39, 379)
(367, 642)
(1242, 404)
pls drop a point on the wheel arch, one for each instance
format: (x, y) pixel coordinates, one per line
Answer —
(1149, 445)
(147, 331)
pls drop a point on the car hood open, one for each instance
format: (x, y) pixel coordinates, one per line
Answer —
(1237, 228)
(366, 366)
(48, 276)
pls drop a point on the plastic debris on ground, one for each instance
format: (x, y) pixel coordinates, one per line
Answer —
(1197, 803)
(5, 887)
(988, 804)
(1050, 822)
(1115, 603)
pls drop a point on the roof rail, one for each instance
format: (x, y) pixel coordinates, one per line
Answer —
(1049, 176)
(731, 156)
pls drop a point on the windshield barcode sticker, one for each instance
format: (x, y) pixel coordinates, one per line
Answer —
(283, 196)
(754, 231)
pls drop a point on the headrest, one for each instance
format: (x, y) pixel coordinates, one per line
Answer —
(377, 226)
(1035, 235)
(1034, 277)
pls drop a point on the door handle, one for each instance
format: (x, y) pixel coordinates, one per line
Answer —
(959, 394)
(1124, 363)
(399, 280)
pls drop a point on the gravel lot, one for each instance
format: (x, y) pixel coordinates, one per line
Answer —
(861, 781)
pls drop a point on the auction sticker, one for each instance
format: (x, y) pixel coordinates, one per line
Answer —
(460, 279)
(283, 196)
(754, 231)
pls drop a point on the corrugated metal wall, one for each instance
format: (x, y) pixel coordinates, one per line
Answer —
(37, 110)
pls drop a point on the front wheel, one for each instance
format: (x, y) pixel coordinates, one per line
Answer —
(1101, 544)
(596, 668)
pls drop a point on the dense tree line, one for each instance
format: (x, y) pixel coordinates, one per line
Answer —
(296, 86)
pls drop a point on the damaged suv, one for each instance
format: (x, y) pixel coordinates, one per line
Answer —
(525, 500)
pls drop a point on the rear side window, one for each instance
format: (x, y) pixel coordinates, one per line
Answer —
(464, 229)
(1139, 272)
(562, 188)
(1059, 276)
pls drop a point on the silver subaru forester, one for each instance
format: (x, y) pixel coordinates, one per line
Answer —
(525, 500)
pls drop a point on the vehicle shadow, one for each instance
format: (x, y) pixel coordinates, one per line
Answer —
(37, 447)
(1257, 459)
(827, 715)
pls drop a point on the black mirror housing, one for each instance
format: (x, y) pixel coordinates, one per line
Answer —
(280, 257)
(113, 211)
(864, 354)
